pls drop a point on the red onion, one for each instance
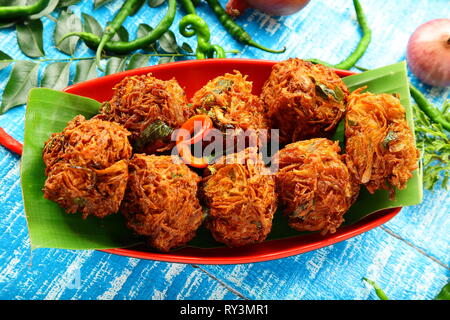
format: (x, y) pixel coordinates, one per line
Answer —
(428, 52)
(272, 7)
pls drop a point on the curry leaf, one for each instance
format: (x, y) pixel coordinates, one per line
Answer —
(29, 37)
(85, 70)
(24, 76)
(166, 60)
(186, 47)
(3, 57)
(115, 64)
(66, 3)
(168, 42)
(67, 22)
(445, 293)
(158, 130)
(137, 7)
(91, 25)
(99, 3)
(121, 35)
(56, 75)
(155, 3)
(137, 60)
(47, 10)
(142, 31)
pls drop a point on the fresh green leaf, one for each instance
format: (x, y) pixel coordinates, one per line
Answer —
(29, 37)
(380, 293)
(186, 47)
(49, 9)
(7, 24)
(137, 60)
(24, 76)
(99, 3)
(166, 60)
(155, 3)
(56, 75)
(3, 57)
(158, 130)
(115, 64)
(121, 35)
(85, 70)
(67, 3)
(444, 294)
(142, 31)
(91, 25)
(49, 111)
(168, 42)
(67, 22)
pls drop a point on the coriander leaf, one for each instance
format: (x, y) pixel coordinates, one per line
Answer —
(24, 76)
(4, 56)
(67, 22)
(29, 37)
(85, 70)
(56, 75)
(137, 60)
(115, 64)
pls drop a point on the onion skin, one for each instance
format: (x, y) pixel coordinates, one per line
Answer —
(428, 53)
(271, 7)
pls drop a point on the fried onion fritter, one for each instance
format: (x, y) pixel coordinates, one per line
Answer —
(229, 102)
(86, 167)
(161, 201)
(379, 142)
(240, 195)
(314, 185)
(150, 109)
(304, 100)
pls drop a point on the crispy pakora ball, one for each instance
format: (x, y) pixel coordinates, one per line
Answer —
(229, 102)
(150, 109)
(314, 185)
(379, 142)
(86, 167)
(304, 100)
(240, 195)
(161, 201)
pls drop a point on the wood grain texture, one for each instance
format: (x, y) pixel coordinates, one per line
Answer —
(408, 257)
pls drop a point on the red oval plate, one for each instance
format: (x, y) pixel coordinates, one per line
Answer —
(192, 75)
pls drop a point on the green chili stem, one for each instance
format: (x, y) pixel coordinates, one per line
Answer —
(127, 8)
(188, 6)
(9, 12)
(380, 293)
(428, 108)
(363, 44)
(93, 40)
(234, 29)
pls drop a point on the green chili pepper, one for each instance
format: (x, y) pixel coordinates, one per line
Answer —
(123, 47)
(352, 59)
(127, 9)
(10, 12)
(234, 29)
(188, 6)
(380, 293)
(428, 108)
(191, 25)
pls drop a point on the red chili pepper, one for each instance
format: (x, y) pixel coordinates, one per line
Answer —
(10, 143)
(200, 125)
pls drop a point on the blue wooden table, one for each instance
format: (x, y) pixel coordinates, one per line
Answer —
(408, 257)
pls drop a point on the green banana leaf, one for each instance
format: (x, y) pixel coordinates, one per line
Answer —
(48, 111)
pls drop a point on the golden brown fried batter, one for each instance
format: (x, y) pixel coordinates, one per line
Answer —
(379, 143)
(149, 108)
(314, 185)
(160, 201)
(229, 102)
(304, 100)
(86, 166)
(240, 195)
